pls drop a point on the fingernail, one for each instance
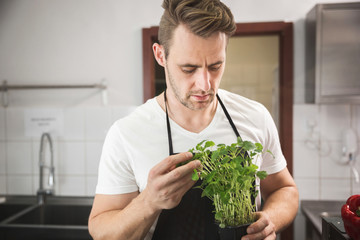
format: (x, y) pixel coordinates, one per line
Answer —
(197, 163)
(250, 230)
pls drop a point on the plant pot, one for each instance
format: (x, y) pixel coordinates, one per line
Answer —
(233, 233)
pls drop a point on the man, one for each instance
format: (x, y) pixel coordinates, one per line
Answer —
(140, 192)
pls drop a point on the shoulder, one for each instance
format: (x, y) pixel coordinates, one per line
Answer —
(142, 115)
(146, 120)
(240, 103)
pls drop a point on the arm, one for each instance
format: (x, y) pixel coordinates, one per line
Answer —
(130, 216)
(281, 204)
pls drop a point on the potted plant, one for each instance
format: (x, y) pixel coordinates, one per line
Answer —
(228, 177)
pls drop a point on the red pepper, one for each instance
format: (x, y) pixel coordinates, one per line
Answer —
(350, 213)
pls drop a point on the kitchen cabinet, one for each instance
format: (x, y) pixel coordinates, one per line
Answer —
(333, 53)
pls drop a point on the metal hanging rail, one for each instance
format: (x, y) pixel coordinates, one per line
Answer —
(4, 88)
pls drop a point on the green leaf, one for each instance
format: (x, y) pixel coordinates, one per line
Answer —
(259, 147)
(261, 174)
(195, 175)
(270, 153)
(209, 144)
(248, 145)
(215, 155)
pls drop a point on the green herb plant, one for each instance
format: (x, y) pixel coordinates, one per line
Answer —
(227, 175)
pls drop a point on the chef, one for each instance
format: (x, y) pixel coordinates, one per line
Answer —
(141, 194)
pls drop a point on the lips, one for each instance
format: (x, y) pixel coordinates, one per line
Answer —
(201, 98)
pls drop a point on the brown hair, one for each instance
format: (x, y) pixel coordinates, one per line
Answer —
(202, 17)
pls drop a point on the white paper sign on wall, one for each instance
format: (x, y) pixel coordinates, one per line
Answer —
(38, 121)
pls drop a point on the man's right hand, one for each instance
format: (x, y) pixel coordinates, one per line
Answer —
(167, 183)
(131, 215)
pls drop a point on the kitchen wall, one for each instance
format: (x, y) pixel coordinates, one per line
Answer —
(93, 41)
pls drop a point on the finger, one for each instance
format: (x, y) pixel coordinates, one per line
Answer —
(271, 237)
(266, 233)
(168, 163)
(182, 171)
(259, 225)
(181, 186)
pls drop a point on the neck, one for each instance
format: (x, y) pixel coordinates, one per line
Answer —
(191, 120)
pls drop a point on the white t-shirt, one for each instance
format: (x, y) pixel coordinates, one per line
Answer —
(138, 142)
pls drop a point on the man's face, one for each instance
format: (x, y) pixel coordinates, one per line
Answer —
(194, 67)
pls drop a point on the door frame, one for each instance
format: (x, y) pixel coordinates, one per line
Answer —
(285, 32)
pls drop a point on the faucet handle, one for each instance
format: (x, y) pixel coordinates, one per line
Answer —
(51, 176)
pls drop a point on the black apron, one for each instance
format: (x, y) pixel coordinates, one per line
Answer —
(193, 218)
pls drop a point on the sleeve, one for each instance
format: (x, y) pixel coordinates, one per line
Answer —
(115, 175)
(276, 162)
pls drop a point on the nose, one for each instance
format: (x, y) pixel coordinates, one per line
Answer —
(203, 80)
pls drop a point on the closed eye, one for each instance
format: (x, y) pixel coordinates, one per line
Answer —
(188, 69)
(214, 68)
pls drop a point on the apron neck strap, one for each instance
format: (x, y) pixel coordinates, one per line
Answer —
(171, 150)
(228, 117)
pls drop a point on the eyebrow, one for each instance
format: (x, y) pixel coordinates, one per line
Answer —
(198, 66)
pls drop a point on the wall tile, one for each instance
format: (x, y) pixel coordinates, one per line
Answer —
(3, 184)
(2, 124)
(2, 158)
(356, 119)
(306, 160)
(331, 165)
(74, 124)
(93, 153)
(305, 115)
(72, 185)
(97, 123)
(19, 184)
(71, 158)
(91, 182)
(356, 185)
(19, 160)
(15, 124)
(334, 120)
(334, 189)
(308, 188)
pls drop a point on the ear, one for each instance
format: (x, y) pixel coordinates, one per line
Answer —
(159, 54)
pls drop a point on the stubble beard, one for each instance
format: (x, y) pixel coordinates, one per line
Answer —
(186, 101)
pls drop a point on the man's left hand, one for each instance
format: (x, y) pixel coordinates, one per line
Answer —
(263, 228)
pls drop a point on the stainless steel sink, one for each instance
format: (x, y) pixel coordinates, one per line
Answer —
(59, 218)
(65, 215)
(8, 210)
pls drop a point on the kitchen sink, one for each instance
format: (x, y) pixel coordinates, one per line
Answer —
(59, 218)
(65, 215)
(7, 210)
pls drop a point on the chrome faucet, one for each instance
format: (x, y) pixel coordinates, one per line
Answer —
(42, 191)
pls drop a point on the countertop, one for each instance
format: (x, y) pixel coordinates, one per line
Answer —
(31, 199)
(314, 210)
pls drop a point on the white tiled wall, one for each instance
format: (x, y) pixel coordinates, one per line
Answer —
(318, 171)
(76, 152)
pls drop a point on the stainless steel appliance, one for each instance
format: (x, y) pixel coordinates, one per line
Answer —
(333, 53)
